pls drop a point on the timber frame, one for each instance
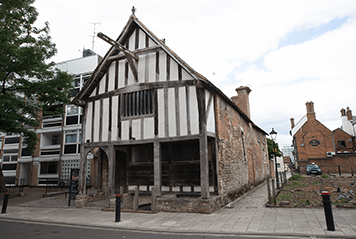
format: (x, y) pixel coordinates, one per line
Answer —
(182, 115)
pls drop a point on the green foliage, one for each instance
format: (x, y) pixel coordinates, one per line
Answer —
(296, 177)
(29, 85)
(278, 153)
(325, 176)
(284, 196)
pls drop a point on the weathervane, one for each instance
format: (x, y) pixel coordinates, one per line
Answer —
(133, 10)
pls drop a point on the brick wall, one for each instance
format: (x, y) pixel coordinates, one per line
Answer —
(313, 140)
(242, 152)
(330, 164)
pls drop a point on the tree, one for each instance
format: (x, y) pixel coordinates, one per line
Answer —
(29, 85)
(271, 154)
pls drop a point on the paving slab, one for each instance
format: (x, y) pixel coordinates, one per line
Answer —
(247, 215)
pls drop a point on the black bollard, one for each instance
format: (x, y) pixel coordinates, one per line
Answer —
(118, 208)
(4, 204)
(328, 212)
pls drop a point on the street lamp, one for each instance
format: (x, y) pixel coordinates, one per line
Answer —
(273, 135)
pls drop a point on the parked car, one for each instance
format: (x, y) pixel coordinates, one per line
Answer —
(313, 169)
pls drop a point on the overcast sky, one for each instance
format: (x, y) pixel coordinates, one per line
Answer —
(287, 52)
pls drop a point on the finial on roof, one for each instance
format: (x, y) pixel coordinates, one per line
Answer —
(133, 10)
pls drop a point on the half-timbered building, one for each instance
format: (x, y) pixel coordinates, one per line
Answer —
(164, 128)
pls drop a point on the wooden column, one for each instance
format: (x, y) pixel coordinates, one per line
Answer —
(83, 157)
(111, 170)
(203, 145)
(157, 168)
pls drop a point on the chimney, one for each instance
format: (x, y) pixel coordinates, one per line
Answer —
(343, 112)
(310, 110)
(348, 113)
(292, 123)
(242, 99)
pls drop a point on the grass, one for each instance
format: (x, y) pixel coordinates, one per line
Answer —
(284, 197)
(296, 177)
(342, 201)
(325, 176)
(315, 182)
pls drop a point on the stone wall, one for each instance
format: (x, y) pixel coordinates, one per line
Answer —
(242, 152)
(189, 205)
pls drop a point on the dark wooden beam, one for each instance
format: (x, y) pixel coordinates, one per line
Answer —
(130, 56)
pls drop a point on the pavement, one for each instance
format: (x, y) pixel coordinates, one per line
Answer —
(246, 216)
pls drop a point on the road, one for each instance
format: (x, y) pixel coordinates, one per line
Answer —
(11, 229)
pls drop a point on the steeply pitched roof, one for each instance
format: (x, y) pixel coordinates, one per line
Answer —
(129, 28)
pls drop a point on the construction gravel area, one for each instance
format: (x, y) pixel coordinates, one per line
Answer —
(306, 191)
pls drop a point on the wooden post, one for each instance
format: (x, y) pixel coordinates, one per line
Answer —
(203, 145)
(153, 200)
(285, 177)
(136, 199)
(321, 185)
(268, 190)
(352, 171)
(274, 193)
(111, 170)
(157, 168)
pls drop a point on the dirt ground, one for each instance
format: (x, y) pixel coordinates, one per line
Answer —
(306, 191)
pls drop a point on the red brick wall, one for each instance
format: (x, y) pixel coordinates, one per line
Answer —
(242, 151)
(313, 140)
(330, 164)
(340, 135)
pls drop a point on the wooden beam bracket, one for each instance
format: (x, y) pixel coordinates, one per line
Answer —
(132, 58)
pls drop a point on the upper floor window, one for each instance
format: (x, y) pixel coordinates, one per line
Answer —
(341, 144)
(138, 103)
(74, 115)
(72, 142)
(78, 83)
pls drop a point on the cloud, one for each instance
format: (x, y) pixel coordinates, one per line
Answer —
(235, 43)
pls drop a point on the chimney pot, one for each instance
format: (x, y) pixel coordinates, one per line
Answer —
(310, 110)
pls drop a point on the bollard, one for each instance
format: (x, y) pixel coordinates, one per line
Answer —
(339, 170)
(4, 204)
(118, 208)
(327, 210)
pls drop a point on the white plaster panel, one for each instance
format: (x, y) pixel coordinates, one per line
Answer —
(173, 70)
(96, 120)
(160, 105)
(111, 77)
(162, 66)
(131, 79)
(211, 118)
(151, 43)
(93, 93)
(185, 75)
(132, 41)
(105, 125)
(194, 115)
(125, 129)
(89, 113)
(141, 68)
(183, 111)
(152, 67)
(114, 119)
(149, 127)
(171, 113)
(102, 85)
(136, 129)
(142, 40)
(121, 74)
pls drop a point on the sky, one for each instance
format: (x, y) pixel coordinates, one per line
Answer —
(287, 52)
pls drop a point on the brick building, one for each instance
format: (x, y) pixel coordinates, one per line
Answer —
(315, 143)
(165, 129)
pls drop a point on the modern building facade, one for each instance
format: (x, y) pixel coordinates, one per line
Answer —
(165, 129)
(58, 149)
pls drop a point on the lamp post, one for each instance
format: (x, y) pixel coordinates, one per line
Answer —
(273, 135)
